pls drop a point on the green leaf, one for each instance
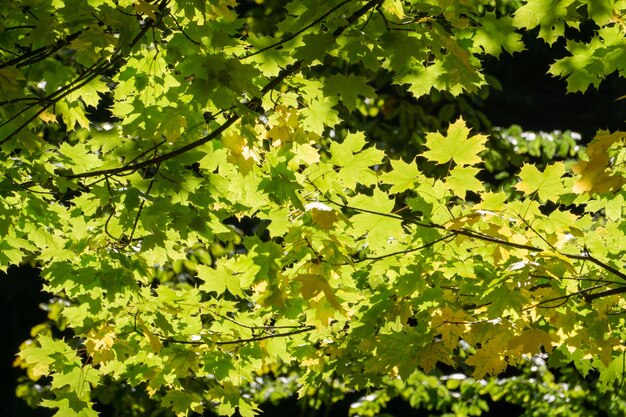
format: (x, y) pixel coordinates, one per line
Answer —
(349, 88)
(456, 146)
(316, 46)
(549, 15)
(494, 33)
(402, 176)
(379, 231)
(463, 179)
(547, 184)
(181, 402)
(394, 7)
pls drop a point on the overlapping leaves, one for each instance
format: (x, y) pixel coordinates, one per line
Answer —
(357, 265)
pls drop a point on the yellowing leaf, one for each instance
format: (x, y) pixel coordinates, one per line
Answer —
(155, 342)
(531, 340)
(240, 153)
(47, 117)
(451, 325)
(322, 215)
(455, 146)
(99, 344)
(595, 175)
(489, 360)
(314, 284)
(433, 353)
(143, 7)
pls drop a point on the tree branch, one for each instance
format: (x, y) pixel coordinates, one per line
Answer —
(240, 341)
(403, 252)
(613, 291)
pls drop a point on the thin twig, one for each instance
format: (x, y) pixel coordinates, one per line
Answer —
(240, 341)
(404, 252)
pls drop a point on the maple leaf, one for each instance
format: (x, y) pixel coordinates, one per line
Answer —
(455, 146)
(322, 215)
(402, 176)
(393, 7)
(548, 14)
(488, 360)
(495, 33)
(320, 114)
(451, 325)
(313, 284)
(99, 344)
(433, 353)
(223, 119)
(463, 179)
(348, 88)
(547, 184)
(379, 230)
(531, 340)
(143, 7)
(10, 78)
(69, 406)
(181, 402)
(595, 176)
(78, 379)
(240, 153)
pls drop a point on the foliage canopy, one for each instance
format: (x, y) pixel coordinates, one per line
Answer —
(362, 267)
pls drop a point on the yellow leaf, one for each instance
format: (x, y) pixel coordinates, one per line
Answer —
(451, 325)
(433, 353)
(154, 341)
(463, 221)
(240, 153)
(595, 176)
(313, 284)
(99, 344)
(143, 7)
(48, 117)
(488, 360)
(322, 215)
(531, 340)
